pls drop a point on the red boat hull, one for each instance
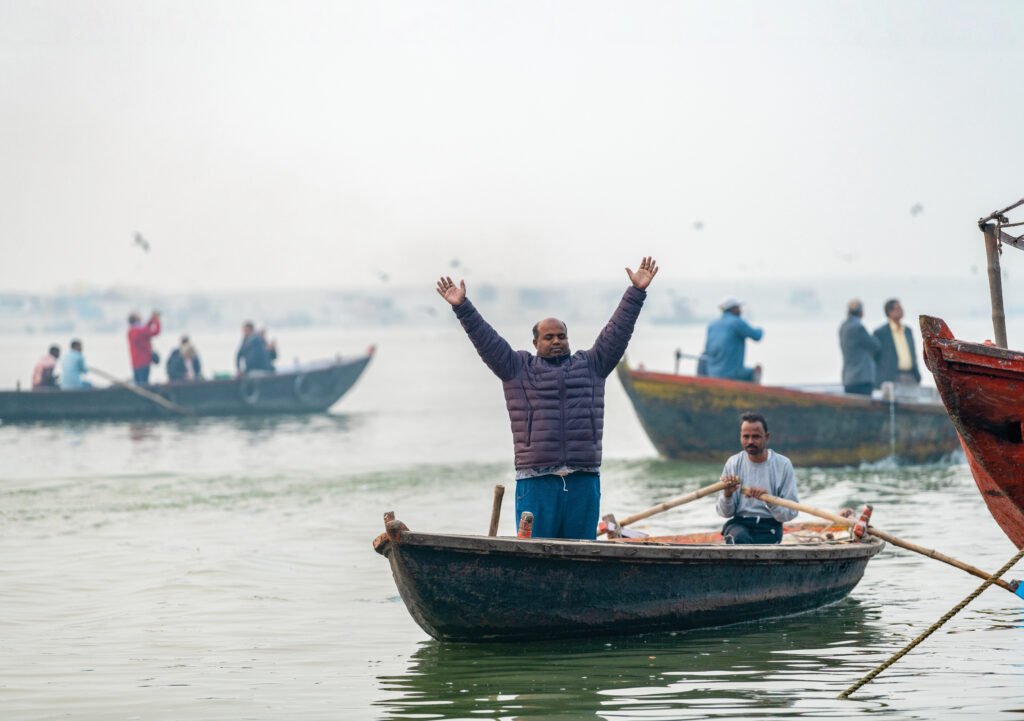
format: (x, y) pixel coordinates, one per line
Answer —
(982, 387)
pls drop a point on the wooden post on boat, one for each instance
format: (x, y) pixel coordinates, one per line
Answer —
(499, 493)
(995, 283)
(994, 237)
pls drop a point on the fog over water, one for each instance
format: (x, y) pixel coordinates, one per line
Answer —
(260, 144)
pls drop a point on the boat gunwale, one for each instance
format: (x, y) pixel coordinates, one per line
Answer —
(843, 399)
(644, 551)
(208, 382)
(975, 348)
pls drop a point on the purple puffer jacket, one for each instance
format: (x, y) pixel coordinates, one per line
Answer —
(556, 405)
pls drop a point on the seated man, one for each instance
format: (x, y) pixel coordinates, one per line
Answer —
(726, 345)
(752, 520)
(183, 363)
(271, 346)
(44, 375)
(73, 368)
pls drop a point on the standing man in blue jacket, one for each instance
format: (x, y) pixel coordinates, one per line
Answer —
(555, 402)
(727, 343)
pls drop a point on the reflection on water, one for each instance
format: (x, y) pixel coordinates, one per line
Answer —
(789, 664)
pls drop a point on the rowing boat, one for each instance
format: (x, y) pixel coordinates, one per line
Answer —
(488, 588)
(307, 388)
(983, 389)
(696, 418)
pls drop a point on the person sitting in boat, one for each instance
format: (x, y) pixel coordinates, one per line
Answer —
(140, 344)
(761, 470)
(271, 347)
(726, 344)
(252, 354)
(72, 368)
(555, 402)
(183, 362)
(44, 375)
(860, 349)
(896, 361)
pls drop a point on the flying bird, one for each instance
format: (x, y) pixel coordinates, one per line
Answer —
(141, 242)
(916, 209)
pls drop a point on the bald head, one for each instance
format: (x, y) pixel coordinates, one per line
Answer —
(855, 307)
(551, 338)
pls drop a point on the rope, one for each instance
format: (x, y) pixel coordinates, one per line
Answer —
(935, 626)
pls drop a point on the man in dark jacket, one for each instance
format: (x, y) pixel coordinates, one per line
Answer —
(252, 354)
(896, 361)
(860, 349)
(555, 403)
(183, 363)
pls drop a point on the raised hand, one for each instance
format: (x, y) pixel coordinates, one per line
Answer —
(452, 293)
(644, 275)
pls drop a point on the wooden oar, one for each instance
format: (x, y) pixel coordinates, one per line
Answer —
(768, 498)
(148, 395)
(671, 503)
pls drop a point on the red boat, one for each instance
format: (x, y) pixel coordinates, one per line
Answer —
(983, 389)
(982, 386)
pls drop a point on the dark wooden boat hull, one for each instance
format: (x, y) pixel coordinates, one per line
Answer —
(983, 389)
(694, 418)
(480, 588)
(313, 389)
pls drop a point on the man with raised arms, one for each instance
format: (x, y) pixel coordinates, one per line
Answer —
(555, 402)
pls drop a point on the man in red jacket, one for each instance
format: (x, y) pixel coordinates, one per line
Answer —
(140, 344)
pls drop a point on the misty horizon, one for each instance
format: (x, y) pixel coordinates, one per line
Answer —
(309, 145)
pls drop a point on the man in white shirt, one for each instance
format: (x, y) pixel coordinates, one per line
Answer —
(761, 471)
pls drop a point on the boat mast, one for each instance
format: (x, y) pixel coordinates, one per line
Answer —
(993, 236)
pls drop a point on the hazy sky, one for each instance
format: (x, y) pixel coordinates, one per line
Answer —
(258, 144)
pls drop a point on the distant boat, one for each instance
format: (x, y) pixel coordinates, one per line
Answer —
(696, 418)
(488, 588)
(308, 388)
(983, 389)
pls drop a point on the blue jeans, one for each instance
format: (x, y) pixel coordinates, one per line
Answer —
(561, 509)
(141, 375)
